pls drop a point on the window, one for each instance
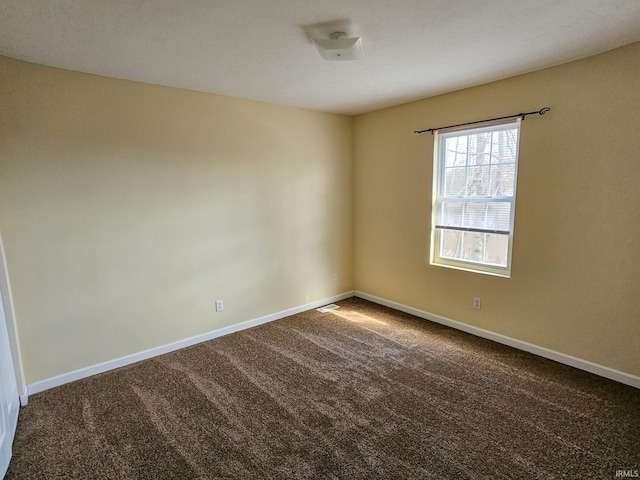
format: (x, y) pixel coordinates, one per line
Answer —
(474, 196)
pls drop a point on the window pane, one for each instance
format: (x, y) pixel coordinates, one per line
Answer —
(450, 244)
(450, 213)
(475, 215)
(498, 216)
(455, 182)
(502, 180)
(473, 246)
(480, 148)
(504, 146)
(487, 248)
(497, 249)
(455, 149)
(478, 181)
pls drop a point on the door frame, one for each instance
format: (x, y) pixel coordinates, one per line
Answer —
(9, 314)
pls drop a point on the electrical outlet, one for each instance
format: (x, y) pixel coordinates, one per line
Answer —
(335, 277)
(219, 305)
(477, 303)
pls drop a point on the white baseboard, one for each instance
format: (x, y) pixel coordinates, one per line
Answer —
(575, 362)
(581, 364)
(58, 380)
(24, 398)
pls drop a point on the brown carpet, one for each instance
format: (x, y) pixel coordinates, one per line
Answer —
(361, 392)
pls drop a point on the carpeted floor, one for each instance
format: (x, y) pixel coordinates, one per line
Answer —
(363, 392)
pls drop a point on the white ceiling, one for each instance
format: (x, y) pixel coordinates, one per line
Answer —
(259, 49)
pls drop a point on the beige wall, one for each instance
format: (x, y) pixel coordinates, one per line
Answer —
(126, 209)
(575, 286)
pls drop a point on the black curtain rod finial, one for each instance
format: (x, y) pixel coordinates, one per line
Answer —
(542, 111)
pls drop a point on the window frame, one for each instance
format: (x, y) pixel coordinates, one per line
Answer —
(439, 169)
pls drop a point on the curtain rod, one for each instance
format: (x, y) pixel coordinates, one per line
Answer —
(542, 111)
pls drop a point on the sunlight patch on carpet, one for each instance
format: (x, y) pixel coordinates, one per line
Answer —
(328, 308)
